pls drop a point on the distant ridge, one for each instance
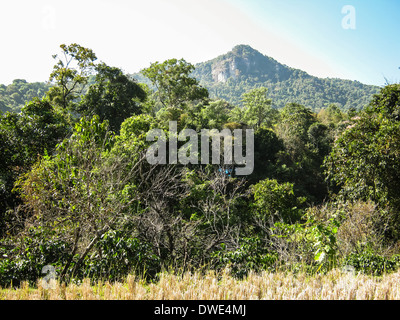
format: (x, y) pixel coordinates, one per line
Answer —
(232, 74)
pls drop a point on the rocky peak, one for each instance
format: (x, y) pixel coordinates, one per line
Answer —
(244, 60)
(233, 64)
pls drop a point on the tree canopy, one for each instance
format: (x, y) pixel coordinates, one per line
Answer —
(77, 191)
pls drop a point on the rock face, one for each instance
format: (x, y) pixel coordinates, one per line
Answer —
(244, 60)
(232, 67)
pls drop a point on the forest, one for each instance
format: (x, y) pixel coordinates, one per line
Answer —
(77, 193)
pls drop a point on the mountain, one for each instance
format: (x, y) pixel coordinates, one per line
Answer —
(232, 74)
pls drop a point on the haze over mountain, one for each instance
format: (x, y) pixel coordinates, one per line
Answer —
(232, 74)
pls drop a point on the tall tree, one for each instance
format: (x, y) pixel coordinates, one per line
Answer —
(364, 161)
(175, 86)
(114, 97)
(293, 127)
(258, 110)
(25, 137)
(71, 74)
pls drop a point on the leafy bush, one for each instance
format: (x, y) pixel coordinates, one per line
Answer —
(251, 255)
(23, 260)
(372, 263)
(274, 198)
(117, 255)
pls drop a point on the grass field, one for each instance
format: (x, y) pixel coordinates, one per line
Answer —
(335, 285)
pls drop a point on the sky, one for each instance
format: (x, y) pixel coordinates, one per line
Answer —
(348, 39)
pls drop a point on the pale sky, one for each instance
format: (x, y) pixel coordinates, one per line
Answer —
(306, 34)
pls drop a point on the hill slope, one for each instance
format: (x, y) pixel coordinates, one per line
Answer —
(230, 75)
(14, 96)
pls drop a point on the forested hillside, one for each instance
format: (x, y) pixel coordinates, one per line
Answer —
(14, 96)
(232, 74)
(78, 193)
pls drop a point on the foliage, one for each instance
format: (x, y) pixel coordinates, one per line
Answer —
(14, 96)
(26, 136)
(365, 225)
(306, 143)
(214, 115)
(70, 74)
(324, 241)
(371, 263)
(364, 159)
(267, 147)
(118, 255)
(113, 97)
(77, 192)
(250, 256)
(25, 258)
(257, 109)
(229, 76)
(275, 199)
(175, 86)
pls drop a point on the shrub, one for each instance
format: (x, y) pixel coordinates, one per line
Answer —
(117, 255)
(251, 255)
(371, 263)
(364, 224)
(24, 259)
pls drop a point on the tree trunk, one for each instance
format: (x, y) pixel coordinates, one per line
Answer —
(63, 273)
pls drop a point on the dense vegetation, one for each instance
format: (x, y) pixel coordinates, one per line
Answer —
(231, 75)
(14, 96)
(77, 193)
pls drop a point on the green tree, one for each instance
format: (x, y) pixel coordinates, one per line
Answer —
(274, 201)
(258, 110)
(174, 83)
(364, 160)
(236, 115)
(25, 137)
(82, 191)
(295, 121)
(266, 149)
(332, 115)
(306, 143)
(14, 96)
(70, 74)
(114, 97)
(215, 114)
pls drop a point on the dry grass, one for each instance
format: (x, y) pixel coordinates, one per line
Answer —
(335, 285)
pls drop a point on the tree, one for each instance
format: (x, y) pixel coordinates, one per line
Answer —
(236, 115)
(175, 86)
(26, 136)
(81, 192)
(364, 160)
(258, 108)
(185, 213)
(215, 114)
(295, 121)
(274, 199)
(114, 97)
(332, 115)
(71, 74)
(266, 149)
(306, 143)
